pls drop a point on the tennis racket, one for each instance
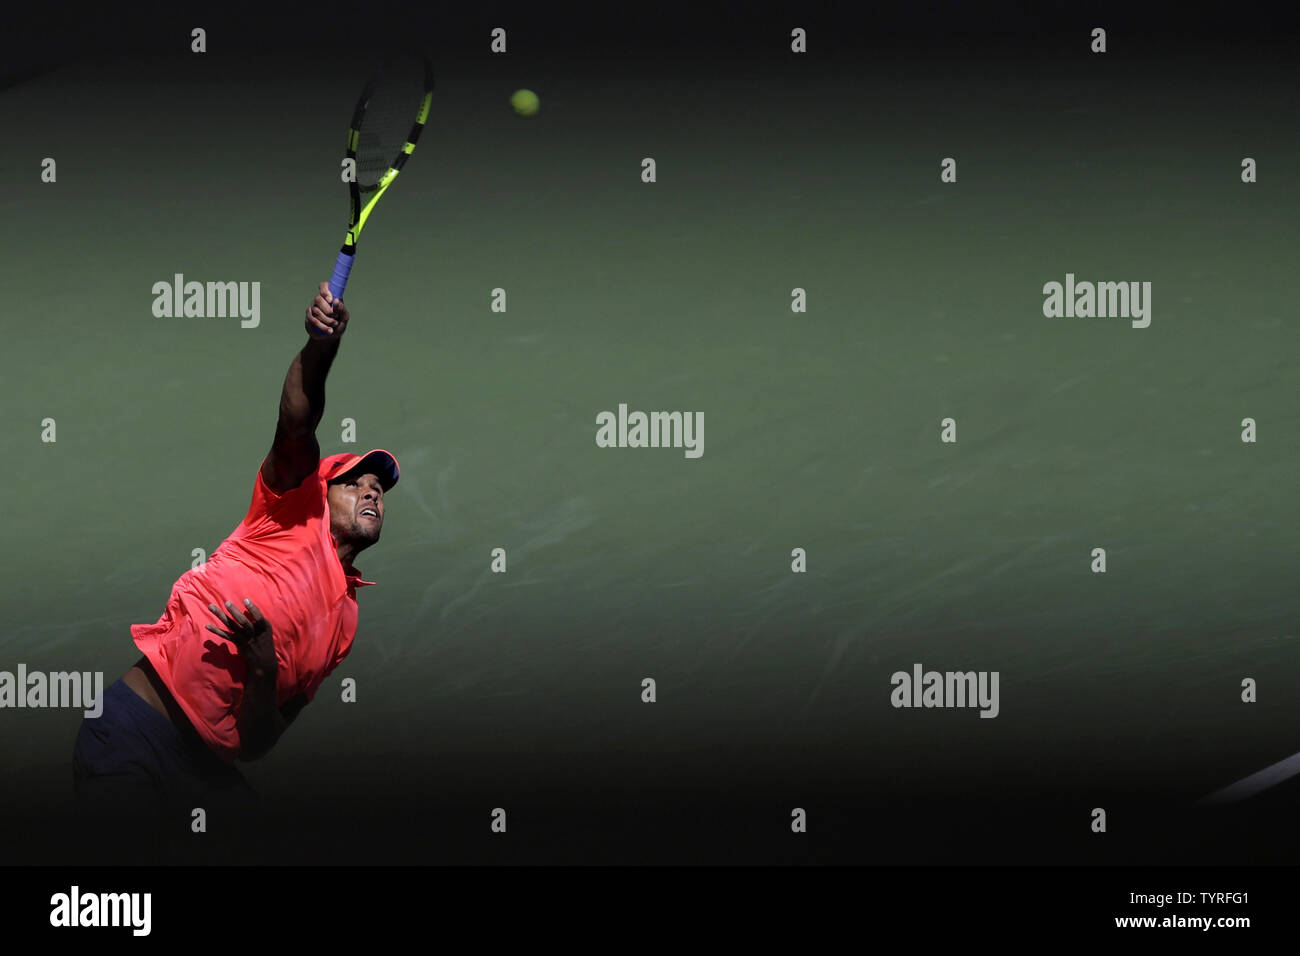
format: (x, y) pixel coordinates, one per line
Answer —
(386, 125)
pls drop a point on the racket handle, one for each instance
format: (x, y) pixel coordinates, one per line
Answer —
(339, 280)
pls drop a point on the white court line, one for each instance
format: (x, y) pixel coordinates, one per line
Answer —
(1255, 782)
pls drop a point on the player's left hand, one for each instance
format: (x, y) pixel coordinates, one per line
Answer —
(252, 637)
(327, 317)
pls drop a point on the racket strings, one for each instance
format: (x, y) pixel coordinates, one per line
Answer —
(395, 98)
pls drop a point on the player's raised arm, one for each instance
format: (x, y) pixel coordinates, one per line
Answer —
(295, 453)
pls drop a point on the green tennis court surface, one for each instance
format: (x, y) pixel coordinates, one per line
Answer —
(522, 690)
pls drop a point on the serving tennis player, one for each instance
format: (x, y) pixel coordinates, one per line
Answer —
(248, 637)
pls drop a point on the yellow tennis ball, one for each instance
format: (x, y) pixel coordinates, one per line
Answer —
(525, 102)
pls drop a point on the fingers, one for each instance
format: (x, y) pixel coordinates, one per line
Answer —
(234, 612)
(240, 627)
(326, 314)
(253, 611)
(321, 315)
(325, 300)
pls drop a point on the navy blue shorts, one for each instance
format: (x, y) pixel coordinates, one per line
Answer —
(133, 760)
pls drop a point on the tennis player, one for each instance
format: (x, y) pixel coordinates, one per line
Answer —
(248, 637)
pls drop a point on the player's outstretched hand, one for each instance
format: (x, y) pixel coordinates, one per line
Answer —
(327, 317)
(252, 635)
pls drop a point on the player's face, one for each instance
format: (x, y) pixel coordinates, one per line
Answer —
(357, 509)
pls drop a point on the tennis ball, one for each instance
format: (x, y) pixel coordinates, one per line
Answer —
(525, 102)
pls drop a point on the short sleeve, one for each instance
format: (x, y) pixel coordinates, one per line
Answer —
(270, 509)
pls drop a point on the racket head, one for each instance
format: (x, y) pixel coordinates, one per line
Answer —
(386, 124)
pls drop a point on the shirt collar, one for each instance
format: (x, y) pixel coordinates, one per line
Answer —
(351, 575)
(354, 579)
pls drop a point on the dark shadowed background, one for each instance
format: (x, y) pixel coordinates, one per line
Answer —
(775, 171)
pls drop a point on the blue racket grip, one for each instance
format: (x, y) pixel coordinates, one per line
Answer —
(338, 282)
(342, 269)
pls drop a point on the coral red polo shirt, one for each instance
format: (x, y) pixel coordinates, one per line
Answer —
(283, 556)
